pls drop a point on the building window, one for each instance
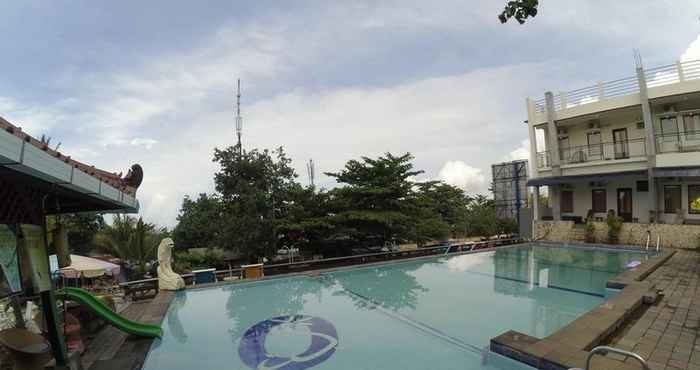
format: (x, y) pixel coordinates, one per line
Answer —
(567, 201)
(642, 186)
(672, 198)
(595, 149)
(694, 199)
(691, 125)
(669, 129)
(599, 201)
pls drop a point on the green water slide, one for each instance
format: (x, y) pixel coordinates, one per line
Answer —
(100, 309)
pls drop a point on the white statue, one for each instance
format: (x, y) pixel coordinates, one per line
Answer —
(167, 278)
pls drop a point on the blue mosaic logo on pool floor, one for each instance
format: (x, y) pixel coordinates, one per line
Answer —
(324, 341)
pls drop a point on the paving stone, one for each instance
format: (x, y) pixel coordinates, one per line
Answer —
(678, 364)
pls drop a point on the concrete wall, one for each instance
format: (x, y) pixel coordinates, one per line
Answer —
(583, 198)
(673, 236)
(671, 218)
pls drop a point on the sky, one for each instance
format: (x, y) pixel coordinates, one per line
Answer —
(153, 83)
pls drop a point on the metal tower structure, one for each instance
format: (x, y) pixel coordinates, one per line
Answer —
(311, 171)
(239, 119)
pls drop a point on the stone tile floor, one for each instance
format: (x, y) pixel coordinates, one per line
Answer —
(666, 335)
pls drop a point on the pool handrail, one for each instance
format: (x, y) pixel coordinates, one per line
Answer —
(605, 349)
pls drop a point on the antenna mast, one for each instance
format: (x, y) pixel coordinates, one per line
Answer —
(239, 119)
(311, 171)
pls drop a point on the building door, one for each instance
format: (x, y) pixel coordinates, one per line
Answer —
(620, 143)
(624, 204)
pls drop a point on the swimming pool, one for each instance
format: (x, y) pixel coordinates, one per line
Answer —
(434, 313)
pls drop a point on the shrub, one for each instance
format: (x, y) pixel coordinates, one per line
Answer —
(589, 231)
(614, 225)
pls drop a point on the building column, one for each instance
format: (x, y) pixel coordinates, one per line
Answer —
(650, 143)
(536, 203)
(552, 134)
(554, 194)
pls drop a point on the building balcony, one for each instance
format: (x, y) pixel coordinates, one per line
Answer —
(664, 81)
(602, 153)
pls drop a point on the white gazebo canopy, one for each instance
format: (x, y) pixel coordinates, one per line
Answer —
(82, 266)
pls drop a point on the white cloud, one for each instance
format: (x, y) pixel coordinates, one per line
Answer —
(692, 52)
(463, 176)
(147, 143)
(521, 152)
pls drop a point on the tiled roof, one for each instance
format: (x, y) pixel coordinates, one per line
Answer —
(113, 179)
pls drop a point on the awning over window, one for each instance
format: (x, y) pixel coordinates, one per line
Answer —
(557, 180)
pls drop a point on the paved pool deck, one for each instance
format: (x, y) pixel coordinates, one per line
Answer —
(666, 334)
(615, 318)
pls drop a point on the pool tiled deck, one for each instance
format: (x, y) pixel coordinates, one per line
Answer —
(568, 347)
(666, 334)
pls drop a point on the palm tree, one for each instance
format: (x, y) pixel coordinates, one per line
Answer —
(131, 240)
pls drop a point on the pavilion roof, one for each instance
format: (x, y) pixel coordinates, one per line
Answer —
(112, 178)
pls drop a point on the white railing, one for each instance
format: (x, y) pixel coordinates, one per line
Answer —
(657, 76)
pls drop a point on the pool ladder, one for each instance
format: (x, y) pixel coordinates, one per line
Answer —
(658, 241)
(605, 349)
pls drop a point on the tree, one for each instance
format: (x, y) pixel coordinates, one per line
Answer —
(199, 223)
(82, 229)
(256, 188)
(305, 223)
(132, 240)
(445, 201)
(519, 9)
(372, 206)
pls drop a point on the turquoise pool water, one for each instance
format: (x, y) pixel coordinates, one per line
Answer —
(436, 313)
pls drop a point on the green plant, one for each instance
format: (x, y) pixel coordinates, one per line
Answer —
(614, 226)
(589, 231)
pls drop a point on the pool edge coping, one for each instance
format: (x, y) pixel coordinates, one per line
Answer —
(158, 307)
(568, 347)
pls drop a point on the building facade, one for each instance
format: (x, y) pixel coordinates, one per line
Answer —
(631, 145)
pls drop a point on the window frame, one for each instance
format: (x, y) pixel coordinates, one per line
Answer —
(680, 198)
(570, 209)
(597, 146)
(605, 200)
(690, 200)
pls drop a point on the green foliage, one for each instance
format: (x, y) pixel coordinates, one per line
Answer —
(255, 187)
(614, 226)
(259, 207)
(130, 239)
(519, 9)
(82, 229)
(185, 262)
(199, 223)
(589, 231)
(375, 202)
(481, 218)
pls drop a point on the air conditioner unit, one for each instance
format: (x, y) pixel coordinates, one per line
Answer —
(562, 131)
(669, 108)
(594, 124)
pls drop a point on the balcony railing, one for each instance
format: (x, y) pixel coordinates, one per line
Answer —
(543, 159)
(632, 148)
(603, 151)
(677, 142)
(657, 76)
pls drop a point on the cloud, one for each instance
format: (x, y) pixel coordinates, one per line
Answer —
(143, 141)
(692, 52)
(463, 176)
(446, 83)
(521, 152)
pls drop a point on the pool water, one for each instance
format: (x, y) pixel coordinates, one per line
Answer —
(436, 313)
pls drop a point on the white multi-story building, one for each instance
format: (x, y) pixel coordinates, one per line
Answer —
(631, 145)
